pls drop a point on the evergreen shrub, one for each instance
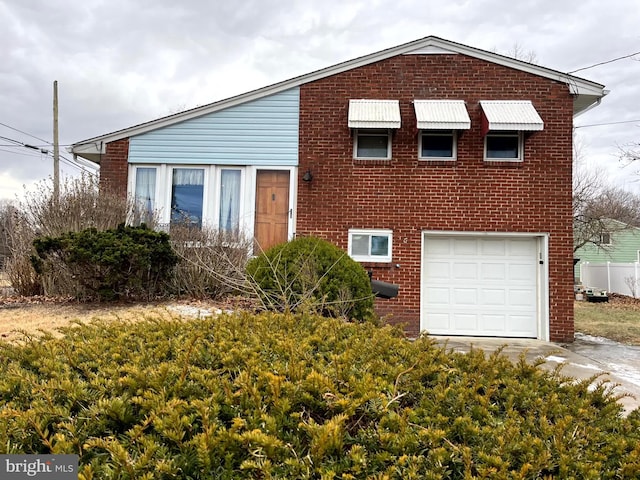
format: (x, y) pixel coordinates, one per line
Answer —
(283, 396)
(313, 274)
(122, 262)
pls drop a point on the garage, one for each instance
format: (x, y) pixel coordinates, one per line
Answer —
(483, 285)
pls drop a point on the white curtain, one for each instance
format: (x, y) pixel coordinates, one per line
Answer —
(188, 176)
(146, 189)
(229, 200)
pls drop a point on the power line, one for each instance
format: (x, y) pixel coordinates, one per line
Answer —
(33, 155)
(25, 133)
(604, 63)
(46, 152)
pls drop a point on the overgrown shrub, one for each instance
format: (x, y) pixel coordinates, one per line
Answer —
(80, 205)
(211, 262)
(125, 262)
(300, 396)
(314, 274)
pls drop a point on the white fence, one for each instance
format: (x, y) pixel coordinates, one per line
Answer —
(613, 277)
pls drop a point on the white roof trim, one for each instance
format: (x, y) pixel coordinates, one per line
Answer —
(587, 93)
(442, 115)
(518, 115)
(367, 113)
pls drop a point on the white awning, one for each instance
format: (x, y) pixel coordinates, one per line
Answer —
(518, 115)
(442, 115)
(374, 114)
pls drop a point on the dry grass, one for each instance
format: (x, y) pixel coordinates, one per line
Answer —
(36, 316)
(618, 320)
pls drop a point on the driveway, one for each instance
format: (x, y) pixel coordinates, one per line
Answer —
(586, 357)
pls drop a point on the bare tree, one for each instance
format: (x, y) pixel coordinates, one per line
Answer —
(599, 209)
(518, 52)
(7, 212)
(630, 153)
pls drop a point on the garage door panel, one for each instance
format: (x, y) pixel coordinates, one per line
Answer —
(480, 286)
(464, 271)
(495, 297)
(493, 324)
(522, 298)
(463, 246)
(522, 247)
(438, 271)
(493, 271)
(440, 322)
(522, 272)
(493, 247)
(438, 296)
(465, 296)
(465, 322)
(438, 247)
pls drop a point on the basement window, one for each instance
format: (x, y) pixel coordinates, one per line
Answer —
(370, 245)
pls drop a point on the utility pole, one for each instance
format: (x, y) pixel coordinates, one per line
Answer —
(56, 145)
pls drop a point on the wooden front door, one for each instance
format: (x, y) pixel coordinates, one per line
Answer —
(272, 208)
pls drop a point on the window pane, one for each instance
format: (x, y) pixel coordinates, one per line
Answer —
(434, 145)
(379, 245)
(502, 146)
(145, 193)
(360, 245)
(186, 196)
(372, 146)
(229, 200)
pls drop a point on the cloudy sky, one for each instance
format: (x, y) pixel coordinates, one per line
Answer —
(122, 62)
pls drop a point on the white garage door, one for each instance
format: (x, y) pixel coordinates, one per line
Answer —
(480, 286)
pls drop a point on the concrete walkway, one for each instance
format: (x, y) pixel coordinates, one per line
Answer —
(574, 364)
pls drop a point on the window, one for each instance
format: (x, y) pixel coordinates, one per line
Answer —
(229, 219)
(605, 238)
(372, 144)
(503, 146)
(187, 191)
(438, 144)
(145, 194)
(370, 245)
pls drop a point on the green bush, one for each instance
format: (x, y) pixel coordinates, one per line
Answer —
(314, 274)
(124, 262)
(300, 396)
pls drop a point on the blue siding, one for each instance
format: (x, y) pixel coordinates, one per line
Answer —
(261, 132)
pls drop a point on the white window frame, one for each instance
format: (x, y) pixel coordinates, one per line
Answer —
(371, 132)
(494, 134)
(371, 233)
(206, 190)
(218, 188)
(440, 133)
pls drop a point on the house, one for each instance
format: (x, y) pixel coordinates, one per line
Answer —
(612, 261)
(442, 168)
(618, 244)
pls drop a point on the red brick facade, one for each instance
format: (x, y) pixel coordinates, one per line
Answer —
(410, 196)
(114, 167)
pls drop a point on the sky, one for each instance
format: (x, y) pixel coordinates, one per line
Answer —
(119, 63)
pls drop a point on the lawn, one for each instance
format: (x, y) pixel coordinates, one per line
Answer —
(619, 319)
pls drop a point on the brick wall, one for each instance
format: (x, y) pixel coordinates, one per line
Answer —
(114, 167)
(409, 196)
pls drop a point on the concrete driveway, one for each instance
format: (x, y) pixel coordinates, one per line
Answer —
(588, 356)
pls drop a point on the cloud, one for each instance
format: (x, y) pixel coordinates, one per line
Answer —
(122, 62)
